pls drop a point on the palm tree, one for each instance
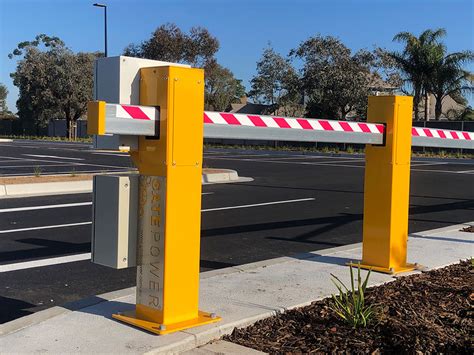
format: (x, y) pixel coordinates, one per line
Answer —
(417, 60)
(448, 78)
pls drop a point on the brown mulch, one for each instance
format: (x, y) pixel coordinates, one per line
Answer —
(469, 229)
(430, 312)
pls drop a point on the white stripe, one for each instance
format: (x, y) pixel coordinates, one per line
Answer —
(216, 118)
(269, 121)
(45, 207)
(44, 262)
(45, 227)
(336, 126)
(448, 135)
(373, 128)
(293, 123)
(244, 120)
(316, 125)
(355, 126)
(40, 166)
(120, 112)
(435, 133)
(126, 155)
(50, 156)
(150, 112)
(421, 133)
(257, 204)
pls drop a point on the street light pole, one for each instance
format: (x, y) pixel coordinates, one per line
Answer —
(105, 23)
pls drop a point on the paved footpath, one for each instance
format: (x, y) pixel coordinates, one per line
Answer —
(241, 295)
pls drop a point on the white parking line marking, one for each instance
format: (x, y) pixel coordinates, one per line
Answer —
(45, 207)
(51, 156)
(125, 155)
(44, 262)
(258, 204)
(465, 172)
(32, 166)
(45, 227)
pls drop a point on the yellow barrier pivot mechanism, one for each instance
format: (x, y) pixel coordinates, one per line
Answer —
(387, 187)
(96, 117)
(169, 213)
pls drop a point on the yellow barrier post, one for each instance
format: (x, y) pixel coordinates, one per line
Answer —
(387, 187)
(169, 222)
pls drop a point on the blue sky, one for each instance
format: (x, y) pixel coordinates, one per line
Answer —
(243, 27)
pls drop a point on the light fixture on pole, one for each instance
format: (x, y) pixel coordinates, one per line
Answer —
(105, 23)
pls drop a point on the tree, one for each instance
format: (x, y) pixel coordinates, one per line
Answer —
(196, 48)
(168, 43)
(335, 80)
(277, 84)
(53, 82)
(417, 60)
(221, 88)
(3, 99)
(448, 78)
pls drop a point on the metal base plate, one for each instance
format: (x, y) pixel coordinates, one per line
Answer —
(160, 329)
(391, 271)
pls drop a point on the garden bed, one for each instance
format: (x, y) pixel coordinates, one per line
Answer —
(423, 313)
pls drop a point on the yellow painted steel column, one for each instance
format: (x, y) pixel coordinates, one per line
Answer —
(170, 203)
(387, 186)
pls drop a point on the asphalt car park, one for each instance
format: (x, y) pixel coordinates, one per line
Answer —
(296, 203)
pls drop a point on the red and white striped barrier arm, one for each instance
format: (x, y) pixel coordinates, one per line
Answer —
(143, 120)
(131, 120)
(294, 123)
(441, 133)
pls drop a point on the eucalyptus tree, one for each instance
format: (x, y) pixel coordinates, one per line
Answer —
(196, 48)
(336, 81)
(53, 82)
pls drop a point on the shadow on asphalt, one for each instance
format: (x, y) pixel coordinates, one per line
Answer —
(11, 309)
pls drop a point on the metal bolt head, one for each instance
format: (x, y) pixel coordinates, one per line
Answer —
(392, 270)
(162, 327)
(213, 316)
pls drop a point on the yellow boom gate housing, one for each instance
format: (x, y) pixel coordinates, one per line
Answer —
(169, 203)
(387, 187)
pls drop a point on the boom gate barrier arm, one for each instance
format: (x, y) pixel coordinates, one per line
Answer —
(170, 122)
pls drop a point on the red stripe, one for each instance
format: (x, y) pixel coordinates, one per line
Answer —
(466, 135)
(326, 126)
(455, 135)
(428, 132)
(304, 123)
(230, 119)
(380, 127)
(414, 132)
(207, 119)
(346, 127)
(281, 122)
(257, 121)
(364, 128)
(135, 112)
(441, 133)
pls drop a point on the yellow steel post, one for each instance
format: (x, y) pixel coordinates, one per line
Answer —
(170, 203)
(387, 187)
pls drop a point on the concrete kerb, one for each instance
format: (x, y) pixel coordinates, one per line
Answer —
(307, 269)
(85, 186)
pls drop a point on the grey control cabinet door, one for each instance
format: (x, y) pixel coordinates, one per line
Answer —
(114, 220)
